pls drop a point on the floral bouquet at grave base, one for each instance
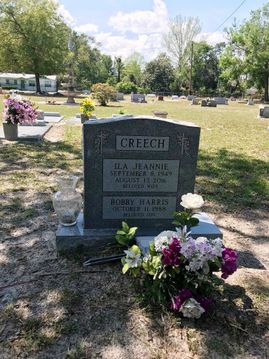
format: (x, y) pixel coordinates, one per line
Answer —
(87, 107)
(18, 110)
(178, 271)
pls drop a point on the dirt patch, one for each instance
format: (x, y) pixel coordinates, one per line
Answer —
(56, 133)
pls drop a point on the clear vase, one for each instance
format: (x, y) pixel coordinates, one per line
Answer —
(67, 202)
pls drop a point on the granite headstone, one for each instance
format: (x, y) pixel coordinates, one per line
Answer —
(137, 169)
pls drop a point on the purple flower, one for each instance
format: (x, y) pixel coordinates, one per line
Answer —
(229, 265)
(19, 111)
(171, 254)
(179, 299)
(204, 302)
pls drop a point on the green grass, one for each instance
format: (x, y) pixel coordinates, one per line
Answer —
(233, 162)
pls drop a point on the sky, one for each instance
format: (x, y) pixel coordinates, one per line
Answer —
(125, 26)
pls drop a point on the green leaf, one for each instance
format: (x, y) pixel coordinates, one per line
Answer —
(135, 249)
(121, 240)
(121, 232)
(125, 227)
(193, 221)
(132, 231)
(125, 268)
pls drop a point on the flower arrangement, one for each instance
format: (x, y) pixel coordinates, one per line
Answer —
(178, 271)
(18, 110)
(87, 107)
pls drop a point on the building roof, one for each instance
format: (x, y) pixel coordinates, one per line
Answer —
(10, 75)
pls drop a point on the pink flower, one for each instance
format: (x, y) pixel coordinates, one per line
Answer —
(171, 254)
(229, 265)
(204, 302)
(19, 111)
(183, 295)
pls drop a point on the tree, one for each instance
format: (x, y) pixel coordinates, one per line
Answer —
(178, 40)
(158, 74)
(232, 69)
(249, 43)
(119, 67)
(205, 67)
(33, 37)
(133, 66)
(89, 66)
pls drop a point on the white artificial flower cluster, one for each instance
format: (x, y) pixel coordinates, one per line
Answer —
(199, 251)
(133, 259)
(164, 239)
(191, 309)
(192, 201)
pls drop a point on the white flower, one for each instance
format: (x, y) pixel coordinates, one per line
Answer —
(164, 239)
(191, 201)
(182, 233)
(195, 264)
(191, 309)
(217, 247)
(133, 259)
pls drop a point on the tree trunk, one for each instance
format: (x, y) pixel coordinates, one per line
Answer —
(266, 97)
(37, 83)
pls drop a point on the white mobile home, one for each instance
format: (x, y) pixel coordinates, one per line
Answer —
(26, 82)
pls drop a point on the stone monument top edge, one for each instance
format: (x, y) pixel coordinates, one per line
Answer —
(106, 120)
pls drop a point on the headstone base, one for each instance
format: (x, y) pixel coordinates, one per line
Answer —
(94, 241)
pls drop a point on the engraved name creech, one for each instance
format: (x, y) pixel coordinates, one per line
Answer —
(142, 143)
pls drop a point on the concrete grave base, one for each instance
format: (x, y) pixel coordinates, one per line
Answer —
(69, 239)
(29, 133)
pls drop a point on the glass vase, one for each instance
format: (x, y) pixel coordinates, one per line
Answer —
(67, 202)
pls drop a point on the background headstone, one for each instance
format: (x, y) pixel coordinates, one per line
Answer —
(221, 100)
(137, 97)
(119, 96)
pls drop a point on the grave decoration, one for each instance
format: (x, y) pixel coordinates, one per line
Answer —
(86, 107)
(135, 169)
(17, 111)
(177, 271)
(67, 202)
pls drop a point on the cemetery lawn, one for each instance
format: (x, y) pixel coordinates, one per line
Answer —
(50, 307)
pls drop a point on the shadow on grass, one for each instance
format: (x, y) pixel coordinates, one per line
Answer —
(39, 155)
(232, 326)
(233, 180)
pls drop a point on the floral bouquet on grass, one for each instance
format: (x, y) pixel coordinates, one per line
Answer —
(18, 110)
(178, 271)
(87, 107)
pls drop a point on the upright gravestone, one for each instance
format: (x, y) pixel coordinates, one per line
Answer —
(137, 97)
(135, 169)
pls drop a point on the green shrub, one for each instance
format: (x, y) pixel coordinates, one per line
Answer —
(127, 87)
(103, 93)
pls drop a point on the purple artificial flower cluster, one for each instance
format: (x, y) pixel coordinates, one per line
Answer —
(171, 254)
(179, 299)
(185, 294)
(229, 266)
(19, 111)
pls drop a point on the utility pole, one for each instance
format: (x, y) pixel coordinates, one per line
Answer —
(191, 60)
